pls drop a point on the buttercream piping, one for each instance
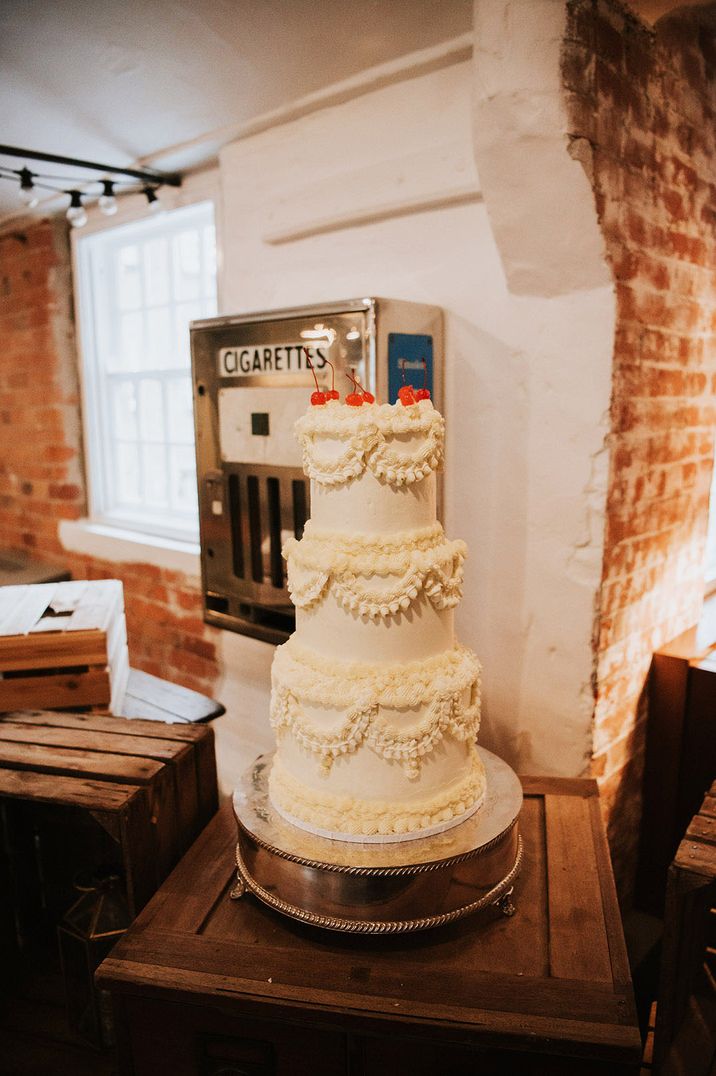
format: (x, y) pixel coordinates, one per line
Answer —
(314, 566)
(445, 712)
(394, 686)
(345, 814)
(370, 434)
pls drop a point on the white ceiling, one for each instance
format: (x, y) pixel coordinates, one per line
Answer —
(118, 81)
(126, 81)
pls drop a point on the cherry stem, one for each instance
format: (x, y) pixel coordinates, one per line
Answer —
(402, 370)
(310, 366)
(333, 374)
(356, 384)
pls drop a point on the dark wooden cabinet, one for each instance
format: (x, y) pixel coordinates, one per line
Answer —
(205, 985)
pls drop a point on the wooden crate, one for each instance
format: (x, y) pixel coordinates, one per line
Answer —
(685, 1036)
(201, 983)
(63, 645)
(150, 786)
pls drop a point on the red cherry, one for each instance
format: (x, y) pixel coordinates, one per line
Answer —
(422, 394)
(368, 396)
(333, 394)
(354, 399)
(318, 397)
(406, 395)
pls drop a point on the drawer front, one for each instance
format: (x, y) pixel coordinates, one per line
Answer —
(201, 1040)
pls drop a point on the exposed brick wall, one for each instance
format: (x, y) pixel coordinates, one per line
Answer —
(641, 109)
(41, 469)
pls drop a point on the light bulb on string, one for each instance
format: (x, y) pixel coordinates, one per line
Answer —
(76, 214)
(107, 201)
(27, 194)
(152, 200)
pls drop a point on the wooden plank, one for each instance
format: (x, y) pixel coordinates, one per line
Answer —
(128, 727)
(90, 739)
(69, 595)
(135, 708)
(139, 849)
(504, 1030)
(561, 786)
(65, 689)
(621, 972)
(206, 778)
(28, 607)
(52, 649)
(324, 978)
(69, 791)
(578, 941)
(123, 768)
(102, 602)
(172, 698)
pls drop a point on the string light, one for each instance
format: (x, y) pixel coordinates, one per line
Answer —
(76, 214)
(27, 194)
(152, 200)
(83, 188)
(107, 202)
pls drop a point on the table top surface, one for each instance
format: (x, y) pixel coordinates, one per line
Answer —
(557, 970)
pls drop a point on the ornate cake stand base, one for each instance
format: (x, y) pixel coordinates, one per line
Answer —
(374, 888)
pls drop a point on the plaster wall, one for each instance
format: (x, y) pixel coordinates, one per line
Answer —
(380, 195)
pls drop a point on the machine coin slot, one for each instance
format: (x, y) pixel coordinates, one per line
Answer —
(257, 568)
(300, 508)
(237, 543)
(260, 423)
(274, 515)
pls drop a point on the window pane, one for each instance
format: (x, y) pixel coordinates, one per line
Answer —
(129, 282)
(160, 350)
(156, 271)
(181, 411)
(187, 265)
(151, 411)
(124, 411)
(131, 337)
(183, 478)
(154, 467)
(127, 474)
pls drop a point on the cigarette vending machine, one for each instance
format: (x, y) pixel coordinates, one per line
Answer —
(252, 380)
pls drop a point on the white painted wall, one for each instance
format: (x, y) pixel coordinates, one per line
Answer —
(527, 384)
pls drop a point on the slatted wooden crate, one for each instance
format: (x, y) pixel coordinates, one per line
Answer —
(63, 645)
(150, 786)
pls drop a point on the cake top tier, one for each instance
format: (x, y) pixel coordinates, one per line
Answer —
(399, 444)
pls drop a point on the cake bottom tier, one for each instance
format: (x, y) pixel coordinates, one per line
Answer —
(362, 818)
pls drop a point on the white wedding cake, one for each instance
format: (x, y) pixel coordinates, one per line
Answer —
(375, 705)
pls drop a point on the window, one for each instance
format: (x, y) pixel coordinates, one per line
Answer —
(140, 284)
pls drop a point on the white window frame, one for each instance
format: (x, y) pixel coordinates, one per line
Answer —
(95, 534)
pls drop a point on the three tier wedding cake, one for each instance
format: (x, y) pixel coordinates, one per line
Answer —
(374, 704)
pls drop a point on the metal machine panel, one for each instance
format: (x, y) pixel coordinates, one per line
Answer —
(252, 380)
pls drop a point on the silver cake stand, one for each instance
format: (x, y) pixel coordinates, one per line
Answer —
(380, 888)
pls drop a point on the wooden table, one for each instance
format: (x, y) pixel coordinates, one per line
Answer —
(204, 984)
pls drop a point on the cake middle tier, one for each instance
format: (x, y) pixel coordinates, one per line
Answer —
(380, 598)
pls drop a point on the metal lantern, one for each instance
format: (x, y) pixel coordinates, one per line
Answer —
(86, 934)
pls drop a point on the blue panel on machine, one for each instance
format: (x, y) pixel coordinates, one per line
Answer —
(410, 353)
